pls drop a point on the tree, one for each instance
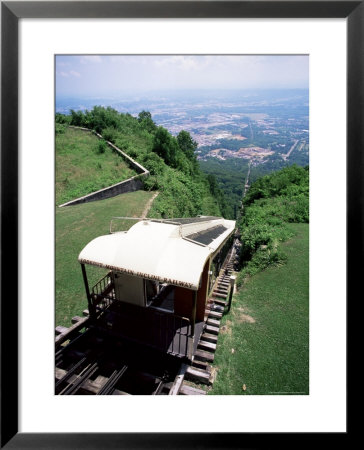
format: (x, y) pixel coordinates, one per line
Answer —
(187, 144)
(63, 119)
(214, 187)
(146, 121)
(165, 146)
(76, 118)
(144, 115)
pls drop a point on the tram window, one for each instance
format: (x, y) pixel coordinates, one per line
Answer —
(160, 296)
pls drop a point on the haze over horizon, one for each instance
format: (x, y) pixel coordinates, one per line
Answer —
(110, 75)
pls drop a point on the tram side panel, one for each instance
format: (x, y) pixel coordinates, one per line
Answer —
(202, 294)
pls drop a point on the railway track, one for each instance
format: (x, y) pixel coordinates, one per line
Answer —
(91, 362)
(97, 364)
(200, 370)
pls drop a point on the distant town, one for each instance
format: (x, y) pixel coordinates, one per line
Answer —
(261, 126)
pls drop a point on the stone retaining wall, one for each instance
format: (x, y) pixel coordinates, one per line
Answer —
(131, 184)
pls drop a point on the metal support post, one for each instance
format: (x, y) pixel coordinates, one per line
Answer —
(194, 307)
(232, 283)
(191, 338)
(91, 307)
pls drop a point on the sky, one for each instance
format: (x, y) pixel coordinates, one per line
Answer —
(96, 75)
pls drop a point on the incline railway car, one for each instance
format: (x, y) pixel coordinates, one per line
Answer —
(160, 274)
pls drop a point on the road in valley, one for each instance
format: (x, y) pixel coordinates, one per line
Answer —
(286, 156)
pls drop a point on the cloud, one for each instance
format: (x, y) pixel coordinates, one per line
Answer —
(181, 62)
(72, 73)
(90, 59)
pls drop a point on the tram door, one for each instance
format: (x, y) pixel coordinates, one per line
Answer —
(129, 289)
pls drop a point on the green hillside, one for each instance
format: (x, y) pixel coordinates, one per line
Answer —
(231, 175)
(85, 164)
(263, 345)
(174, 171)
(271, 204)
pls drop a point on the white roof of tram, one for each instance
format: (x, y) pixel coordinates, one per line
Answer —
(161, 250)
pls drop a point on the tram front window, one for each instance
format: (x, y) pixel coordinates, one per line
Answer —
(159, 295)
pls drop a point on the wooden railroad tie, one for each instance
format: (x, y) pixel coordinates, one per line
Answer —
(76, 319)
(208, 346)
(221, 291)
(189, 390)
(222, 287)
(92, 386)
(212, 329)
(60, 330)
(201, 376)
(178, 380)
(208, 337)
(213, 322)
(203, 365)
(220, 302)
(68, 332)
(215, 314)
(218, 294)
(202, 355)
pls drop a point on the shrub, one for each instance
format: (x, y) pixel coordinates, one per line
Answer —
(60, 129)
(271, 204)
(101, 148)
(263, 258)
(109, 134)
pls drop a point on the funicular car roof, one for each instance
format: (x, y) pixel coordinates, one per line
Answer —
(173, 251)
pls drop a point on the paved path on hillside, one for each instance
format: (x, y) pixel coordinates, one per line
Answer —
(246, 185)
(148, 205)
(285, 157)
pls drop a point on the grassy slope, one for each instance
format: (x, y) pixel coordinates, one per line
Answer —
(81, 169)
(268, 329)
(75, 227)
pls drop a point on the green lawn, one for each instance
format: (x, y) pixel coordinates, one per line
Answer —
(82, 169)
(263, 345)
(75, 227)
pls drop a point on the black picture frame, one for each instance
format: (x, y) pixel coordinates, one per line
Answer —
(11, 12)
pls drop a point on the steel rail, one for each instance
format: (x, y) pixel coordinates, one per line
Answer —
(70, 372)
(81, 378)
(109, 386)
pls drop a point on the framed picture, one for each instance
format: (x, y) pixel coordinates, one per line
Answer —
(12, 216)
